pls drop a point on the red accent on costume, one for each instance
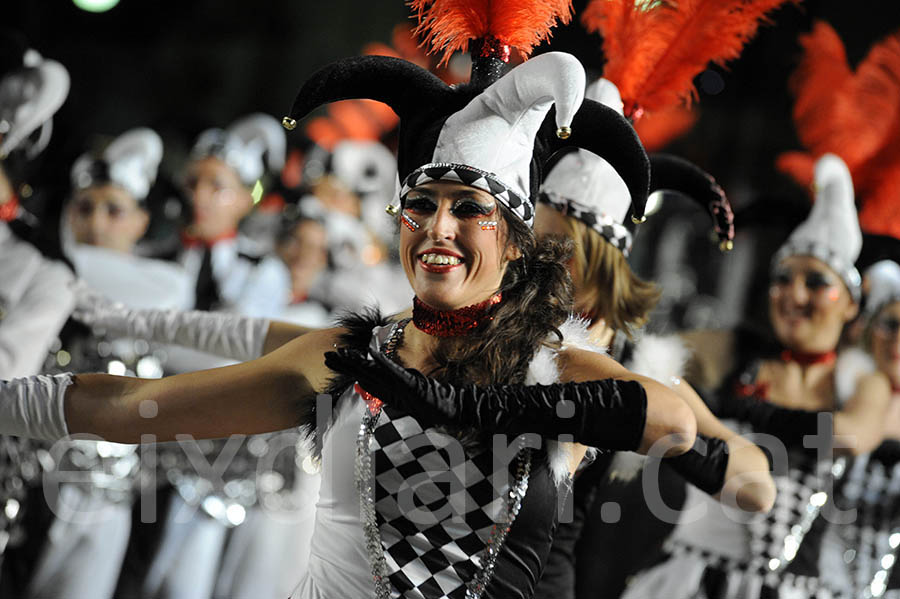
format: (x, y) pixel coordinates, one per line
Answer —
(757, 390)
(9, 210)
(452, 323)
(808, 359)
(192, 241)
(372, 403)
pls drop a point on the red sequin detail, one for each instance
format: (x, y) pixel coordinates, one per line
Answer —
(494, 48)
(372, 403)
(9, 210)
(451, 323)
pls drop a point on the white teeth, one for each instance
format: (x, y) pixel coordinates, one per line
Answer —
(439, 259)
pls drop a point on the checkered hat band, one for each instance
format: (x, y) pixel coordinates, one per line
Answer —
(848, 273)
(436, 506)
(614, 232)
(479, 179)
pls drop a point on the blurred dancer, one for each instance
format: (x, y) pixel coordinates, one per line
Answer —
(779, 391)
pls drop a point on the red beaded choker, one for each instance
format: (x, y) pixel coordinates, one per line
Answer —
(807, 359)
(451, 323)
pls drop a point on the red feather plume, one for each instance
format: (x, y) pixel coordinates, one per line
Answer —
(855, 115)
(449, 25)
(655, 48)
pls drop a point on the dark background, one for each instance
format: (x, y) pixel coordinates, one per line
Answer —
(180, 66)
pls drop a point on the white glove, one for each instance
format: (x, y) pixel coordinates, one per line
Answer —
(33, 407)
(220, 333)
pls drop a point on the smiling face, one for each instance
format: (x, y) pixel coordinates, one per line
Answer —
(453, 244)
(885, 342)
(808, 304)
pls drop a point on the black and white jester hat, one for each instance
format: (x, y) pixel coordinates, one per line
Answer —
(483, 137)
(32, 89)
(253, 146)
(831, 232)
(130, 161)
(591, 189)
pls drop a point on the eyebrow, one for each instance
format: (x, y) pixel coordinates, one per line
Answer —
(453, 195)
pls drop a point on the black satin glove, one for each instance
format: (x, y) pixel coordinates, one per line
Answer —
(706, 472)
(790, 426)
(608, 414)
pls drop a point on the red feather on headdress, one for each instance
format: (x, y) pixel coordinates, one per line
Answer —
(655, 48)
(449, 25)
(855, 115)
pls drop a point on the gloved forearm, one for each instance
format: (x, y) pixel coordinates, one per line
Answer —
(609, 413)
(789, 425)
(220, 333)
(34, 407)
(703, 465)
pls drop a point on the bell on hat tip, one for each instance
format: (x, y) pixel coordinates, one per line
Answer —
(726, 245)
(289, 123)
(637, 220)
(392, 209)
(564, 132)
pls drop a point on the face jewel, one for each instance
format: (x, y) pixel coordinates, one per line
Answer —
(410, 223)
(488, 225)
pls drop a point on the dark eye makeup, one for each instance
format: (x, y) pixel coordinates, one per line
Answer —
(472, 208)
(812, 279)
(419, 204)
(888, 325)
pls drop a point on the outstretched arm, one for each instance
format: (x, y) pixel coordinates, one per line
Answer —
(263, 395)
(601, 404)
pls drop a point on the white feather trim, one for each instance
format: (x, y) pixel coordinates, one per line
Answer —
(851, 364)
(661, 358)
(544, 370)
(626, 465)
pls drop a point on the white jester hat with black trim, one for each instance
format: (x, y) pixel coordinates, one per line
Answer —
(490, 138)
(587, 187)
(130, 161)
(831, 232)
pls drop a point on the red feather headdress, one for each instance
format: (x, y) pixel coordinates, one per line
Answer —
(855, 114)
(655, 48)
(450, 25)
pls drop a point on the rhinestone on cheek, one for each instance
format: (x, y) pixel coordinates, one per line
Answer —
(409, 222)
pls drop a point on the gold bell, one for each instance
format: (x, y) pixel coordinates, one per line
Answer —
(726, 246)
(637, 220)
(289, 123)
(564, 132)
(392, 209)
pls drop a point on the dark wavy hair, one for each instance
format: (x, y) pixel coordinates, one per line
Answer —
(537, 299)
